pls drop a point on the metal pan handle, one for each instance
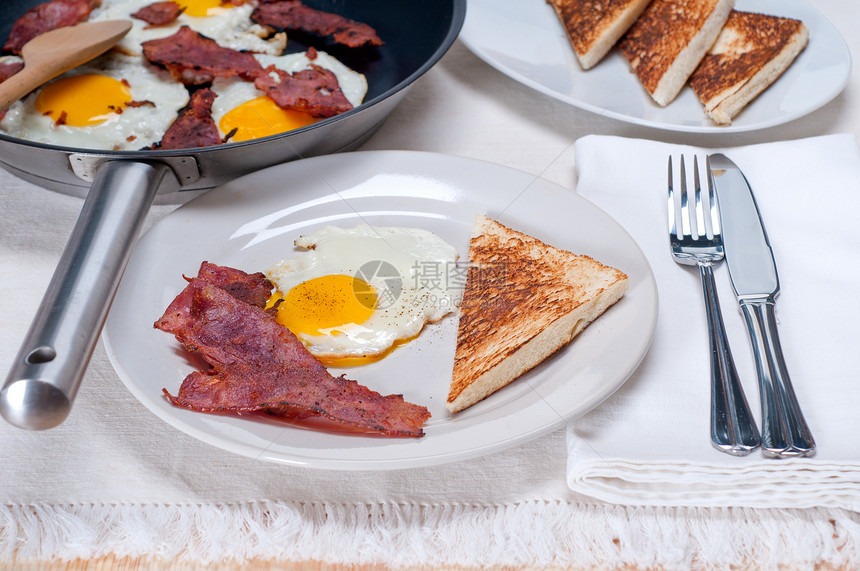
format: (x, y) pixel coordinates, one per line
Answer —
(44, 378)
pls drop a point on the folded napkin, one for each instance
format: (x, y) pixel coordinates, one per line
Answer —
(649, 443)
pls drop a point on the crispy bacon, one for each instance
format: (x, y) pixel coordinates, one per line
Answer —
(313, 91)
(293, 15)
(144, 103)
(9, 69)
(45, 17)
(194, 59)
(159, 13)
(254, 289)
(194, 126)
(260, 366)
(225, 330)
(276, 386)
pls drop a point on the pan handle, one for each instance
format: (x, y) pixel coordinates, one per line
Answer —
(44, 378)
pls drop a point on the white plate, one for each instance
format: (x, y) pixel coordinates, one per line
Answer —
(251, 223)
(525, 40)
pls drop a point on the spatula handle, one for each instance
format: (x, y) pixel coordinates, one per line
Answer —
(784, 431)
(49, 54)
(22, 83)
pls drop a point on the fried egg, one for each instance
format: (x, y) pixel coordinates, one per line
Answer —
(353, 294)
(253, 114)
(228, 24)
(113, 103)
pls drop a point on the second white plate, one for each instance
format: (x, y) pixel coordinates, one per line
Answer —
(526, 41)
(252, 222)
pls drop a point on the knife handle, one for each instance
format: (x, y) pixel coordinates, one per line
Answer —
(784, 432)
(733, 429)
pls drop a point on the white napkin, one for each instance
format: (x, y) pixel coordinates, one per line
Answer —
(649, 443)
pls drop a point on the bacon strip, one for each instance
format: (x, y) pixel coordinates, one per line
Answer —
(275, 385)
(194, 59)
(194, 126)
(46, 17)
(254, 289)
(293, 15)
(314, 91)
(159, 13)
(259, 365)
(9, 69)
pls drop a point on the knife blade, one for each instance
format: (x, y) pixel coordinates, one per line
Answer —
(752, 269)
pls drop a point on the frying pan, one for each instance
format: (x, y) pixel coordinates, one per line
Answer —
(120, 187)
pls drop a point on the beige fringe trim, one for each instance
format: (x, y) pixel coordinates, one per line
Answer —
(535, 533)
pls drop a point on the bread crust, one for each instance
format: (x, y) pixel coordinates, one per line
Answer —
(669, 40)
(751, 52)
(523, 300)
(594, 26)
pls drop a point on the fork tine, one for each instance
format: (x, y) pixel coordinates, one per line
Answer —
(672, 207)
(685, 208)
(701, 225)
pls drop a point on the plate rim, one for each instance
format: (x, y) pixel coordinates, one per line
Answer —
(485, 447)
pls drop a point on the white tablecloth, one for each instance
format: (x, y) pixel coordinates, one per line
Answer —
(113, 479)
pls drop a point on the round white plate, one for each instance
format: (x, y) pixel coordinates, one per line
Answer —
(251, 223)
(525, 40)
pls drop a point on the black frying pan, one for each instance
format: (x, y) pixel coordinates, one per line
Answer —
(120, 186)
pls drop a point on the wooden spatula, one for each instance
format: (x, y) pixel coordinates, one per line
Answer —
(48, 55)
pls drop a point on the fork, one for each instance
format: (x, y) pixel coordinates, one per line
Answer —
(696, 240)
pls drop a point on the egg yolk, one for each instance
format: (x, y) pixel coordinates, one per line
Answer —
(203, 8)
(323, 305)
(356, 361)
(82, 100)
(261, 117)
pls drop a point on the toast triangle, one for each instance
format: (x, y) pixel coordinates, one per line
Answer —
(594, 27)
(751, 52)
(523, 300)
(669, 40)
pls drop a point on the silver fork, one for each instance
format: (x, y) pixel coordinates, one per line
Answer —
(696, 240)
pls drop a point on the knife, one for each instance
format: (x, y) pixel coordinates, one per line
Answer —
(752, 270)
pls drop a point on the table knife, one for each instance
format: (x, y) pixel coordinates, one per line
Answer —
(754, 278)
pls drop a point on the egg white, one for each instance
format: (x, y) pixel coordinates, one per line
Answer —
(230, 28)
(415, 253)
(232, 92)
(134, 128)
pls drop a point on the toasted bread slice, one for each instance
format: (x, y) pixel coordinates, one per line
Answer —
(523, 301)
(594, 27)
(750, 53)
(669, 40)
